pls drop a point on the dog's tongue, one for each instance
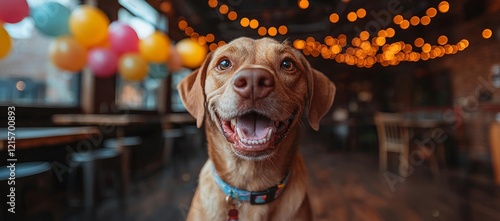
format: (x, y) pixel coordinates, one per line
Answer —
(254, 126)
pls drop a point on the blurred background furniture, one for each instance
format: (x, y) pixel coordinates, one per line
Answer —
(34, 192)
(495, 150)
(393, 137)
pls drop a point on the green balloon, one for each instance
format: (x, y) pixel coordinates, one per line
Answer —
(51, 18)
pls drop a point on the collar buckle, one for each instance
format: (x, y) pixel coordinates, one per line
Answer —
(263, 197)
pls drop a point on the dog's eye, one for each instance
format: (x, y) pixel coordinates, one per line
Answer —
(224, 64)
(287, 65)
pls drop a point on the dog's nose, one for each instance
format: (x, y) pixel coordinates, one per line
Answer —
(254, 83)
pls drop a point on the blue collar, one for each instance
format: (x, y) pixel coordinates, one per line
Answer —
(254, 197)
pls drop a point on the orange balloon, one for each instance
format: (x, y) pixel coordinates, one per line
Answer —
(67, 54)
(133, 67)
(89, 25)
(155, 48)
(191, 52)
(5, 42)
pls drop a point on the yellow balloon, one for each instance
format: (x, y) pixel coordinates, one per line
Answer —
(5, 43)
(155, 48)
(191, 52)
(133, 67)
(67, 54)
(89, 25)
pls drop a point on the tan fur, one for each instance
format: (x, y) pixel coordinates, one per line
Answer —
(208, 92)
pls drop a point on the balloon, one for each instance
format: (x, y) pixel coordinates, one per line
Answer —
(5, 42)
(191, 52)
(175, 60)
(13, 11)
(102, 62)
(123, 38)
(89, 25)
(133, 67)
(67, 54)
(158, 70)
(155, 48)
(51, 18)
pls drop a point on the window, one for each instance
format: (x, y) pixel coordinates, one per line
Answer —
(27, 77)
(141, 95)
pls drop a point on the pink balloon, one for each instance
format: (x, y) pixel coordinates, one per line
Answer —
(13, 11)
(102, 62)
(123, 38)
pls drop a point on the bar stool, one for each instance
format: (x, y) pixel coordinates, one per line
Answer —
(34, 191)
(96, 163)
(125, 146)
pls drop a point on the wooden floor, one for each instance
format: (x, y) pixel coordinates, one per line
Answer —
(344, 186)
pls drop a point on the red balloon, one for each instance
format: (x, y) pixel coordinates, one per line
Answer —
(13, 11)
(123, 38)
(102, 62)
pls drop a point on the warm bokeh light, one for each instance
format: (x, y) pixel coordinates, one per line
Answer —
(254, 23)
(334, 18)
(299, 44)
(382, 33)
(487, 33)
(166, 7)
(210, 37)
(361, 13)
(444, 6)
(232, 15)
(244, 22)
(352, 16)
(282, 30)
(189, 31)
(398, 19)
(390, 32)
(425, 20)
(272, 31)
(223, 9)
(442, 40)
(431, 12)
(213, 3)
(415, 20)
(419, 42)
(212, 47)
(364, 35)
(404, 24)
(426, 48)
(303, 4)
(183, 25)
(380, 41)
(262, 31)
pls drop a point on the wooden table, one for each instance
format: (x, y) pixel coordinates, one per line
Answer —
(32, 137)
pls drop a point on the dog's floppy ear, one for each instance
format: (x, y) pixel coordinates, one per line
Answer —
(321, 94)
(191, 89)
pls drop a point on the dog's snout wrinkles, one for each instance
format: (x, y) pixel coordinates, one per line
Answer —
(253, 83)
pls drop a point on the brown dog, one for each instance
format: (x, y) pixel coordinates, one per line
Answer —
(251, 95)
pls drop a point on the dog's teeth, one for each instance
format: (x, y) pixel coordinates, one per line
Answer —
(238, 131)
(233, 122)
(269, 133)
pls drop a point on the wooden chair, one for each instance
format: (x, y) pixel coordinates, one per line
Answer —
(393, 136)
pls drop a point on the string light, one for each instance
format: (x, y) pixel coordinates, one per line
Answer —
(487, 33)
(364, 51)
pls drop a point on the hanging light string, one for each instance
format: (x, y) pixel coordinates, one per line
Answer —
(362, 51)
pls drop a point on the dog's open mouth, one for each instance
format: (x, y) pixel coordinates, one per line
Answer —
(253, 134)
